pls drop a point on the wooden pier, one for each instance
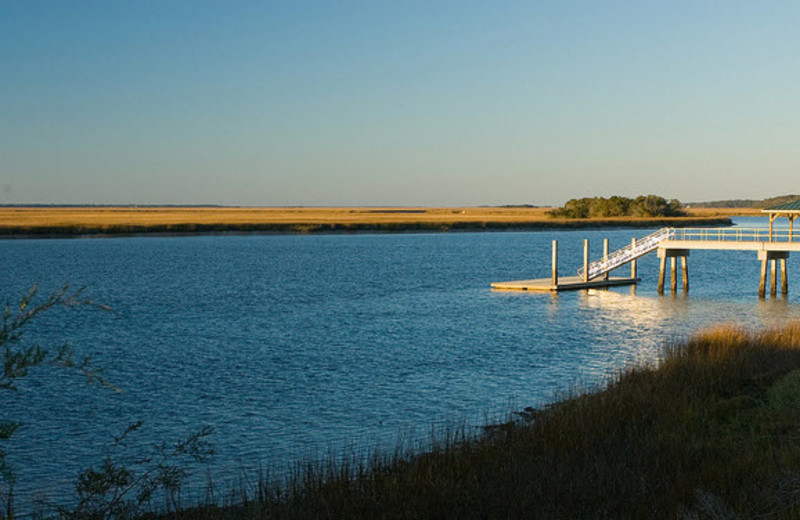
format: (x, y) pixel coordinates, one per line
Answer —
(772, 246)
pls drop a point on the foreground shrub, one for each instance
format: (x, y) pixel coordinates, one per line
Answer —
(128, 480)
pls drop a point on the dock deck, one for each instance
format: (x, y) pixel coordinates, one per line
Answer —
(565, 283)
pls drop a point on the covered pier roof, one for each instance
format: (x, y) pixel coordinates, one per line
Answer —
(790, 210)
(791, 207)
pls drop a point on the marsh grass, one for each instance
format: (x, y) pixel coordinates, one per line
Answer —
(38, 221)
(713, 431)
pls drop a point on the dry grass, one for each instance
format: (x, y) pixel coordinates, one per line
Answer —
(120, 220)
(182, 215)
(725, 212)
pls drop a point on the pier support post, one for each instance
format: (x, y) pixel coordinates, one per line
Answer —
(585, 260)
(773, 284)
(555, 263)
(685, 273)
(633, 262)
(673, 273)
(784, 281)
(769, 268)
(673, 255)
(605, 255)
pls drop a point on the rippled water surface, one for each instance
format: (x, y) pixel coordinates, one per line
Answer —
(290, 346)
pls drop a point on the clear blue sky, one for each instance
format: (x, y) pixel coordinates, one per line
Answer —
(401, 103)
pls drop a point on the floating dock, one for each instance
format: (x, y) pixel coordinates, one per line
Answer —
(565, 283)
(591, 276)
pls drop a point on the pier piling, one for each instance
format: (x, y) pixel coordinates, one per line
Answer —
(585, 260)
(555, 263)
(773, 285)
(673, 272)
(673, 255)
(784, 281)
(685, 273)
(769, 269)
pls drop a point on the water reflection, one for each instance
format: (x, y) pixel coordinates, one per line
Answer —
(623, 328)
(552, 308)
(678, 308)
(777, 311)
(627, 308)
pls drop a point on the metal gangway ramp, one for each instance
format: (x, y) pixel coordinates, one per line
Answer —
(628, 253)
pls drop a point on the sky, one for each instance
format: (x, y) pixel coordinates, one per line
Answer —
(315, 103)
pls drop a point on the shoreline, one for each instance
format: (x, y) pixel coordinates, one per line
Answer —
(28, 230)
(711, 428)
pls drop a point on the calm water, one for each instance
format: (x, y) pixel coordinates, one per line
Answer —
(290, 346)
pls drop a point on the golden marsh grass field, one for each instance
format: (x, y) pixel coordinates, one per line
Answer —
(173, 219)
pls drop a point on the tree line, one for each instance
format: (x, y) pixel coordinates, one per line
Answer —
(641, 206)
(748, 203)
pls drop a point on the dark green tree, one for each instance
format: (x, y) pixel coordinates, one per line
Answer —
(616, 206)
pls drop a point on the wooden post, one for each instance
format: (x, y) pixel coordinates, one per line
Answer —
(772, 218)
(762, 286)
(605, 255)
(555, 263)
(633, 262)
(784, 281)
(585, 260)
(791, 227)
(662, 266)
(685, 269)
(773, 284)
(673, 272)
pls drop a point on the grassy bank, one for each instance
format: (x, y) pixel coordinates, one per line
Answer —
(712, 432)
(76, 221)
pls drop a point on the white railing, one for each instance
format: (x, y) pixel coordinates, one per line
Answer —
(630, 252)
(736, 235)
(650, 243)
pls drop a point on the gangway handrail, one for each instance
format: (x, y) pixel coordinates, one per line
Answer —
(628, 253)
(736, 234)
(650, 243)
